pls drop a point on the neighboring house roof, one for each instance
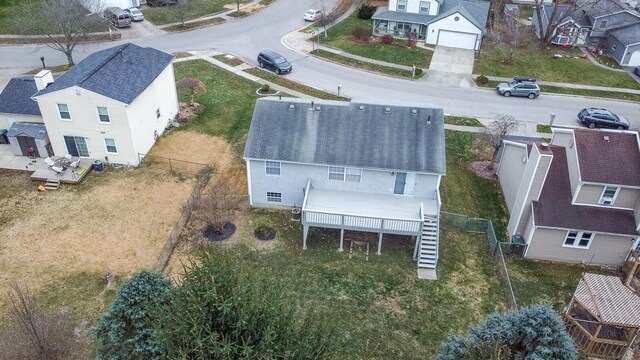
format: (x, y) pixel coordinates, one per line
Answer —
(595, 155)
(474, 11)
(608, 299)
(598, 8)
(554, 208)
(383, 13)
(628, 34)
(121, 73)
(342, 134)
(29, 129)
(16, 97)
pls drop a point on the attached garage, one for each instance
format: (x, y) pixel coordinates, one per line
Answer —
(634, 60)
(457, 39)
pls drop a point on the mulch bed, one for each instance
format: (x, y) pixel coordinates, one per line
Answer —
(481, 168)
(264, 93)
(227, 230)
(265, 234)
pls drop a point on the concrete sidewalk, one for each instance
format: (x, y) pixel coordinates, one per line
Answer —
(572, 86)
(224, 14)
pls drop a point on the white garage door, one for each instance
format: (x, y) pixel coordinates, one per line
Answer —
(634, 60)
(457, 39)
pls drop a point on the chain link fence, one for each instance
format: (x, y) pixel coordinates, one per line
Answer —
(171, 165)
(484, 226)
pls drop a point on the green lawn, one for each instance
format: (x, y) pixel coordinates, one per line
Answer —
(363, 64)
(463, 192)
(582, 92)
(379, 308)
(339, 37)
(169, 14)
(8, 9)
(543, 281)
(195, 24)
(462, 120)
(541, 65)
(289, 84)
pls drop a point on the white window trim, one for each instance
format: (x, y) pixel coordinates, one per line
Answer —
(68, 111)
(359, 174)
(272, 196)
(98, 114)
(405, 5)
(577, 241)
(344, 173)
(420, 7)
(266, 166)
(106, 148)
(613, 199)
(329, 172)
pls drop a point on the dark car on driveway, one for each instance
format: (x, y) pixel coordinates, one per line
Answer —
(598, 117)
(274, 61)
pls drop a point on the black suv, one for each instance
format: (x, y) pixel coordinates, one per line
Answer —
(592, 117)
(274, 61)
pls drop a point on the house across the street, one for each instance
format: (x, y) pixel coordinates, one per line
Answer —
(368, 167)
(574, 200)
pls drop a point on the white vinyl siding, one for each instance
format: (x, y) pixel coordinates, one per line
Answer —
(608, 195)
(63, 111)
(272, 168)
(274, 197)
(103, 114)
(110, 145)
(578, 239)
(158, 114)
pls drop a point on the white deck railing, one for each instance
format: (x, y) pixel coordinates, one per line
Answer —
(363, 223)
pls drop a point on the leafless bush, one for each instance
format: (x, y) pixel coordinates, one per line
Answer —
(361, 33)
(217, 206)
(496, 132)
(412, 38)
(32, 333)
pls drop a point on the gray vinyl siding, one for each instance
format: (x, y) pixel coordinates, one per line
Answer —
(528, 228)
(546, 244)
(636, 211)
(590, 194)
(511, 171)
(293, 180)
(534, 193)
(566, 141)
(619, 51)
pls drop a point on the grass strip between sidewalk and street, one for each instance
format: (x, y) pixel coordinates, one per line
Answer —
(363, 65)
(195, 24)
(580, 92)
(229, 60)
(289, 84)
(462, 121)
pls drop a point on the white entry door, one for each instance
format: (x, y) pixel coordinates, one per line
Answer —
(405, 183)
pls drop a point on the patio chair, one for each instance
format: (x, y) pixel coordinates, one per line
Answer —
(74, 164)
(57, 169)
(49, 161)
(67, 156)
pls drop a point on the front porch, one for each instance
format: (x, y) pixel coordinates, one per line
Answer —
(375, 213)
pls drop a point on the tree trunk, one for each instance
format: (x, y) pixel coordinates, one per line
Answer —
(69, 55)
(493, 158)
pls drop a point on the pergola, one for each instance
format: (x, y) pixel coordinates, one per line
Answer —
(603, 316)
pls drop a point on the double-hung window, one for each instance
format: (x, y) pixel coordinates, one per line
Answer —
(103, 114)
(274, 197)
(110, 145)
(63, 110)
(402, 5)
(272, 168)
(578, 239)
(340, 173)
(424, 7)
(608, 195)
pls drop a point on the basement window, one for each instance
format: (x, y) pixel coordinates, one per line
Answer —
(274, 197)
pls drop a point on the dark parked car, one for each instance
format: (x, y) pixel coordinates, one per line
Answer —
(598, 117)
(274, 61)
(519, 88)
(637, 70)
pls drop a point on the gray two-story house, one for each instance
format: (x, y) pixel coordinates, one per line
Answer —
(351, 166)
(576, 199)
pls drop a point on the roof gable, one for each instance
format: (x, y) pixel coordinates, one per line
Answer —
(628, 34)
(474, 11)
(121, 73)
(352, 134)
(16, 97)
(595, 155)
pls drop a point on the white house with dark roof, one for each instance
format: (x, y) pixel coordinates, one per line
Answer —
(351, 166)
(452, 23)
(111, 106)
(571, 200)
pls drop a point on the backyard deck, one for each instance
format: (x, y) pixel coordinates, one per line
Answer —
(40, 170)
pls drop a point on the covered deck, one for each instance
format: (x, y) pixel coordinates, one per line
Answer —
(377, 213)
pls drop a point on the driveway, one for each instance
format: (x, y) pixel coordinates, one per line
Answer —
(452, 60)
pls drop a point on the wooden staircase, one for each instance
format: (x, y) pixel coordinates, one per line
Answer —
(428, 251)
(52, 184)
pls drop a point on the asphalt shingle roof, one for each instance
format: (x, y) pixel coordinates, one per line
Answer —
(34, 130)
(628, 34)
(474, 11)
(122, 72)
(342, 134)
(597, 157)
(383, 13)
(16, 97)
(554, 208)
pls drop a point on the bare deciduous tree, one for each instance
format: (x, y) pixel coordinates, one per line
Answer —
(62, 24)
(182, 9)
(35, 334)
(508, 36)
(217, 206)
(497, 130)
(194, 86)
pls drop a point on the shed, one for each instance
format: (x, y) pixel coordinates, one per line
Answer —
(24, 135)
(603, 316)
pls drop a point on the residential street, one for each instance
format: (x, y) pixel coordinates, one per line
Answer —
(264, 30)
